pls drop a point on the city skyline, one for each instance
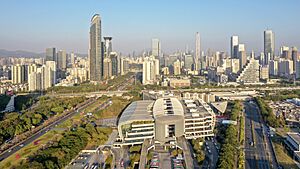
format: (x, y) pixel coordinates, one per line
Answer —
(175, 29)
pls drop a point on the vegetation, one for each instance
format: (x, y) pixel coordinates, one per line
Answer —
(23, 102)
(282, 95)
(135, 153)
(108, 161)
(232, 138)
(229, 149)
(267, 114)
(60, 153)
(17, 123)
(118, 104)
(282, 155)
(89, 87)
(4, 99)
(198, 149)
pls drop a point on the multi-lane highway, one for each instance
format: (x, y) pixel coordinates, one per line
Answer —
(35, 136)
(258, 153)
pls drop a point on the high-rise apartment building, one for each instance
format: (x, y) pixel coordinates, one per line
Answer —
(150, 70)
(95, 49)
(18, 74)
(177, 67)
(273, 67)
(50, 74)
(269, 43)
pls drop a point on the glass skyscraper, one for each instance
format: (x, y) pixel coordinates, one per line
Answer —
(269, 44)
(95, 51)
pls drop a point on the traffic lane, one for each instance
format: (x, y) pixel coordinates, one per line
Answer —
(259, 155)
(41, 132)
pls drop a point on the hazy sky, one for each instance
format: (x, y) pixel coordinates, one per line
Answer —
(34, 25)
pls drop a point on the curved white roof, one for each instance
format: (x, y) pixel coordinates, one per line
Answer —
(137, 111)
(163, 105)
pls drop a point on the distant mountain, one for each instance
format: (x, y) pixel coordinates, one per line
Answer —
(22, 53)
(19, 53)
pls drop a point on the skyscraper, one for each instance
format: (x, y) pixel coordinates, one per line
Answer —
(242, 55)
(95, 51)
(50, 54)
(18, 74)
(269, 43)
(108, 46)
(61, 60)
(150, 70)
(233, 46)
(50, 74)
(156, 48)
(295, 57)
(197, 59)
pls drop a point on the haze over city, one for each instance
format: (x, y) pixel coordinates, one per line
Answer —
(35, 25)
(115, 84)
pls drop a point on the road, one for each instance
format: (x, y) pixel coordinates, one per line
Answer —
(29, 140)
(259, 154)
(120, 92)
(212, 156)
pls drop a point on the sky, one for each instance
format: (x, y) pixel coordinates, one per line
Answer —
(34, 25)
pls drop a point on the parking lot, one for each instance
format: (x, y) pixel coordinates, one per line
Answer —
(82, 161)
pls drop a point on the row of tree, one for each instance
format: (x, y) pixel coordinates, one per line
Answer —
(17, 123)
(59, 154)
(230, 144)
(268, 115)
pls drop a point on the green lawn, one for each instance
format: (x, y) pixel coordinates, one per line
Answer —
(283, 158)
(13, 160)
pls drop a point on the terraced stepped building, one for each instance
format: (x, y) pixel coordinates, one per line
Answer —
(164, 120)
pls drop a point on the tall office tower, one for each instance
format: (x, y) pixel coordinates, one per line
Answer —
(295, 57)
(262, 59)
(124, 66)
(107, 68)
(269, 43)
(177, 67)
(61, 60)
(50, 54)
(150, 70)
(297, 70)
(156, 48)
(95, 51)
(285, 68)
(197, 59)
(233, 46)
(114, 63)
(50, 74)
(72, 59)
(273, 67)
(250, 73)
(285, 52)
(242, 55)
(108, 46)
(188, 61)
(18, 74)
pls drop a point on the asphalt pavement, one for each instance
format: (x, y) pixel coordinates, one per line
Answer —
(257, 149)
